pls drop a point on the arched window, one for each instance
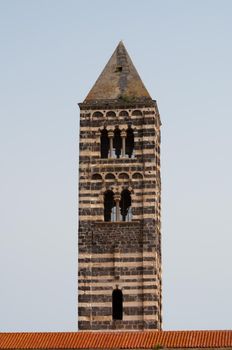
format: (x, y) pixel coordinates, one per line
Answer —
(97, 177)
(117, 304)
(137, 176)
(111, 114)
(104, 144)
(129, 142)
(123, 114)
(137, 113)
(125, 205)
(117, 142)
(97, 114)
(109, 177)
(123, 176)
(109, 206)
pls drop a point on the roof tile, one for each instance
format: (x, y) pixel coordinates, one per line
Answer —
(117, 340)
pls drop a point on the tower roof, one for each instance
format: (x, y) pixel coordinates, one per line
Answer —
(119, 80)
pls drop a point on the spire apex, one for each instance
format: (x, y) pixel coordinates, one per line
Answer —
(119, 80)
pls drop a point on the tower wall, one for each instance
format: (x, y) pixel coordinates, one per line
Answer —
(124, 255)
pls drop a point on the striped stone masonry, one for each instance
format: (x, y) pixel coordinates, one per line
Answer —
(124, 255)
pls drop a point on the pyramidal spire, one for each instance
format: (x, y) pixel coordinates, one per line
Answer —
(118, 81)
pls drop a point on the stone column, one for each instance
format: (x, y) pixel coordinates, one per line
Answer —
(117, 200)
(123, 135)
(111, 135)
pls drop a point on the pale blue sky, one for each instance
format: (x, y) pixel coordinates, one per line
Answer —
(51, 54)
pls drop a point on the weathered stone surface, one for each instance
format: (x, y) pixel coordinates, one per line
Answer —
(123, 254)
(119, 80)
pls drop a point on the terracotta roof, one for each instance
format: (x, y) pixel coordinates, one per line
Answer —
(117, 340)
(118, 80)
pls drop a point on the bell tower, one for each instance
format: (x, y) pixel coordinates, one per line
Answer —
(119, 241)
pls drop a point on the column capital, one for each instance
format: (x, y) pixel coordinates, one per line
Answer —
(110, 134)
(117, 197)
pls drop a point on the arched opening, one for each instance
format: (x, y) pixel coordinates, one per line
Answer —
(137, 176)
(97, 177)
(129, 142)
(109, 206)
(123, 114)
(105, 145)
(111, 114)
(125, 205)
(117, 142)
(117, 304)
(97, 114)
(110, 177)
(137, 112)
(123, 176)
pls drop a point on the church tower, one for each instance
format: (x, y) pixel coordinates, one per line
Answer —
(119, 285)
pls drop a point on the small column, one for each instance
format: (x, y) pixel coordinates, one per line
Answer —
(117, 200)
(111, 135)
(123, 135)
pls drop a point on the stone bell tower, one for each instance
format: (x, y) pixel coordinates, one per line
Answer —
(119, 285)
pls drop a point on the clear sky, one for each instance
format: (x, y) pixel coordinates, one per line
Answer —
(51, 54)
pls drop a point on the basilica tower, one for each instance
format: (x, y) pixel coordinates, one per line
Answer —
(119, 283)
